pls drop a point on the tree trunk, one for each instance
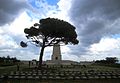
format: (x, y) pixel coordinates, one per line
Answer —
(41, 54)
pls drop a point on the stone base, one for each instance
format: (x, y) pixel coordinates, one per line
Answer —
(62, 62)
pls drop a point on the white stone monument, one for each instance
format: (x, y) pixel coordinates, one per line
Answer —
(56, 55)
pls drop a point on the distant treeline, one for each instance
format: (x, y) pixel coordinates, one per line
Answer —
(108, 60)
(8, 61)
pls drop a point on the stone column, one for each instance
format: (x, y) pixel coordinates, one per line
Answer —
(56, 55)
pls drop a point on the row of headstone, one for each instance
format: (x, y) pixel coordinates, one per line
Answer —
(64, 66)
(61, 75)
(66, 72)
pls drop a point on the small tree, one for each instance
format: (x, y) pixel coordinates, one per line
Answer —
(111, 60)
(48, 32)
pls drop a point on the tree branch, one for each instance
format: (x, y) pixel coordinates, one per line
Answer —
(51, 42)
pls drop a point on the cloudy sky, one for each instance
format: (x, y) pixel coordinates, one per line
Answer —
(97, 24)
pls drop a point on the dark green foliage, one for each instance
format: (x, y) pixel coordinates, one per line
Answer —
(32, 31)
(109, 60)
(52, 31)
(23, 44)
(8, 61)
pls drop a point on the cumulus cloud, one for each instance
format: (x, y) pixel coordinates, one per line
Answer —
(14, 18)
(95, 19)
(11, 35)
(9, 45)
(10, 9)
(107, 47)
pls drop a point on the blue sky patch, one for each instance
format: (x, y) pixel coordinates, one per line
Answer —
(116, 36)
(32, 2)
(52, 2)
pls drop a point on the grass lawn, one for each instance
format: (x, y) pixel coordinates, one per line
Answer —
(8, 69)
(92, 67)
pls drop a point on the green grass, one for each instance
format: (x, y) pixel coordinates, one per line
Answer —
(8, 69)
(92, 67)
